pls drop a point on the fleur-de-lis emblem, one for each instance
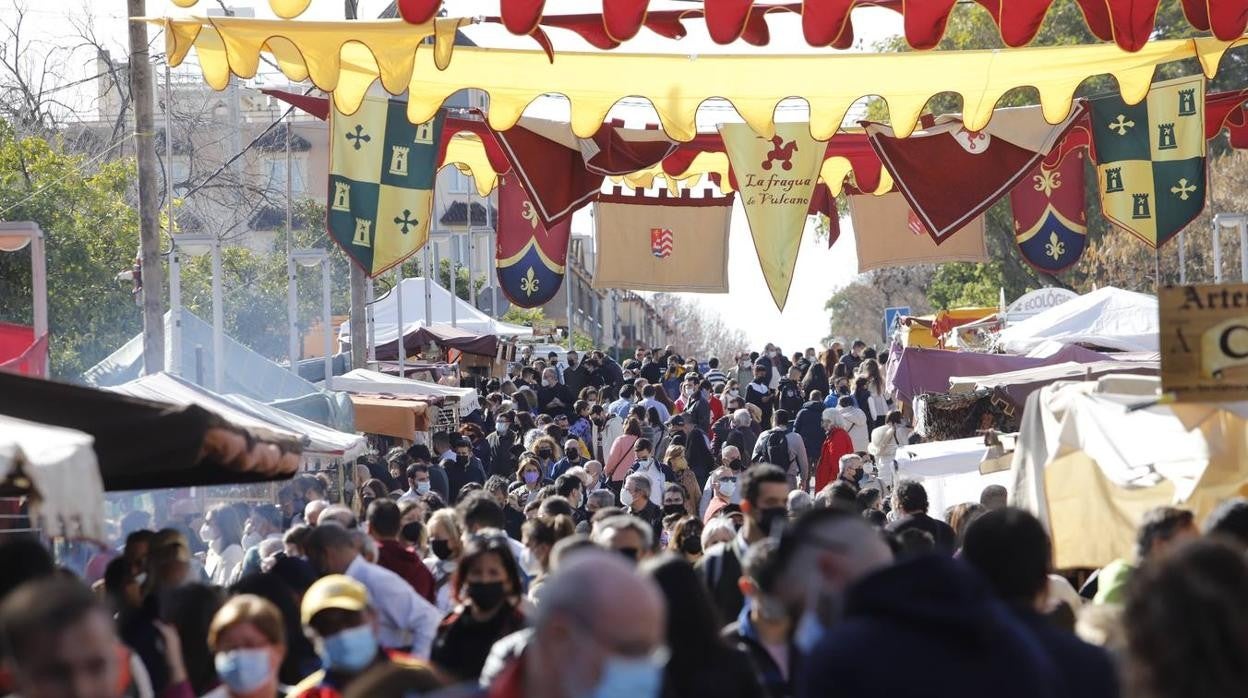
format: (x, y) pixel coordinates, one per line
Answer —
(528, 214)
(1056, 248)
(529, 283)
(1047, 181)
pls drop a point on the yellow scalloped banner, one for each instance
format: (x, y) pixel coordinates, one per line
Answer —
(345, 58)
(286, 9)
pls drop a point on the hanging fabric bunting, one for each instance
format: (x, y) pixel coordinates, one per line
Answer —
(776, 177)
(950, 174)
(1050, 223)
(561, 172)
(1151, 159)
(529, 256)
(381, 176)
(885, 237)
(662, 243)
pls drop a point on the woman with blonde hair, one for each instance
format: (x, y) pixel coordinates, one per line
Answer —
(547, 450)
(446, 544)
(529, 475)
(248, 639)
(685, 477)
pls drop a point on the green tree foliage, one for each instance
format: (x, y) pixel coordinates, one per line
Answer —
(92, 234)
(523, 316)
(461, 278)
(254, 284)
(970, 28)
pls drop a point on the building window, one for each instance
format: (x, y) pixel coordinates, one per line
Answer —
(277, 176)
(459, 182)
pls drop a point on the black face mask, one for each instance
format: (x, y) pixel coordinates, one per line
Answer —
(463, 460)
(573, 456)
(486, 595)
(669, 509)
(691, 545)
(411, 531)
(441, 548)
(545, 453)
(630, 553)
(770, 518)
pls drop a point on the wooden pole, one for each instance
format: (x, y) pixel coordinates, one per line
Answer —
(142, 92)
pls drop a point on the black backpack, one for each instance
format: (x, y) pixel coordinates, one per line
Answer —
(775, 449)
(790, 395)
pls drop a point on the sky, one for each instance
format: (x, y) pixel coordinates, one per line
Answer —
(748, 305)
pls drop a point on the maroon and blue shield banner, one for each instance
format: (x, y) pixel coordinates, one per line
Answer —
(1050, 221)
(529, 257)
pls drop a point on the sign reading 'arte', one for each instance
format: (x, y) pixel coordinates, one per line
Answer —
(1204, 341)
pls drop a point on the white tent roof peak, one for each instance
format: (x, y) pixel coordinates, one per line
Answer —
(386, 314)
(1109, 317)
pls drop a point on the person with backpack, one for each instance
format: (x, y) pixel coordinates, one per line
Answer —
(784, 448)
(789, 391)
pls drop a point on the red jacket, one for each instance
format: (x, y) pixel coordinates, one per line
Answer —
(837, 444)
(400, 560)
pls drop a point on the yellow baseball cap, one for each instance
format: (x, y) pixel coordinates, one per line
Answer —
(333, 591)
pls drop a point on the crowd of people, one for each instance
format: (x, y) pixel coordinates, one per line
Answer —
(661, 526)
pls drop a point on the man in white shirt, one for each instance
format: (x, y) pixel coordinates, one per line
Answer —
(405, 621)
(648, 401)
(855, 423)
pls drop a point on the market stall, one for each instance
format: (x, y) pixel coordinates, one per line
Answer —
(1108, 318)
(1074, 468)
(145, 444)
(362, 381)
(950, 471)
(57, 471)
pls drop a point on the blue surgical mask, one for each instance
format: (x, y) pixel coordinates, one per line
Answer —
(808, 632)
(422, 488)
(501, 427)
(630, 677)
(244, 670)
(350, 650)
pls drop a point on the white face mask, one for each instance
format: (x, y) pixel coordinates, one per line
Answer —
(251, 540)
(208, 533)
(727, 488)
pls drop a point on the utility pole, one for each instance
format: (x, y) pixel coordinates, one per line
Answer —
(141, 91)
(359, 282)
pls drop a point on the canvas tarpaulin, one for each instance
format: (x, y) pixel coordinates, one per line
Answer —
(67, 492)
(675, 85)
(141, 444)
(1073, 468)
(949, 471)
(444, 336)
(366, 382)
(1107, 317)
(928, 370)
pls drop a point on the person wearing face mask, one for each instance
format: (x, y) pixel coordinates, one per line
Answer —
(836, 445)
(684, 477)
(764, 628)
(580, 427)
(445, 545)
(488, 589)
(686, 539)
(423, 479)
(636, 499)
(720, 492)
(529, 475)
(404, 620)
(248, 639)
(764, 502)
(658, 473)
(384, 525)
(339, 617)
(571, 458)
(576, 375)
(223, 532)
(462, 469)
(702, 662)
(502, 441)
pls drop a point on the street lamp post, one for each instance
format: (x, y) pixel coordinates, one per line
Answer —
(310, 257)
(197, 245)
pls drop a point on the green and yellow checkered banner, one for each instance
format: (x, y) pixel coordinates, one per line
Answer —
(1151, 158)
(381, 173)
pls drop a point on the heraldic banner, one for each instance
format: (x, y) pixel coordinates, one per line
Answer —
(1151, 158)
(529, 257)
(776, 177)
(381, 177)
(650, 243)
(1050, 223)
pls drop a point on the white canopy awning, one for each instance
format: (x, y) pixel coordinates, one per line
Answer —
(317, 439)
(1109, 317)
(364, 381)
(386, 314)
(63, 471)
(949, 471)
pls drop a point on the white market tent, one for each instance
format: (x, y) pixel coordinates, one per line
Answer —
(318, 440)
(949, 471)
(1109, 317)
(63, 472)
(386, 314)
(1076, 471)
(362, 381)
